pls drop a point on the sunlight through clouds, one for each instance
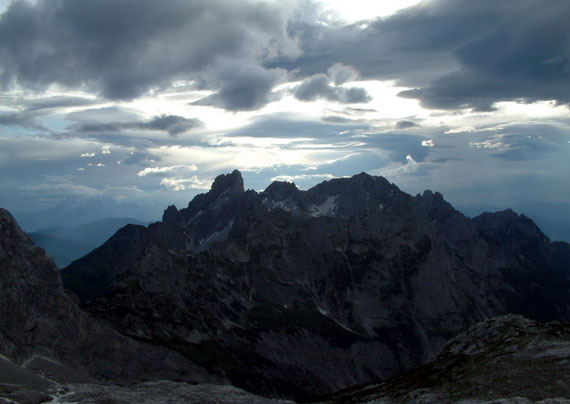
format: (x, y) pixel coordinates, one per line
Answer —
(394, 88)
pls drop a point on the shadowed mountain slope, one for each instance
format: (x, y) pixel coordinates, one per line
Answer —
(45, 332)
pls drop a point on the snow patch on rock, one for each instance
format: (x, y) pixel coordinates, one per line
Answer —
(327, 208)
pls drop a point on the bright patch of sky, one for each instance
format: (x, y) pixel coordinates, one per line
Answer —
(350, 11)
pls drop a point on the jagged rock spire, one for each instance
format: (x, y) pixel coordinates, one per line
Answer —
(228, 182)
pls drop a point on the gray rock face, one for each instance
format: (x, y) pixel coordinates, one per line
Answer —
(158, 392)
(151, 392)
(43, 331)
(293, 293)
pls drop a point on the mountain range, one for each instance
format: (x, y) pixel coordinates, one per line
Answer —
(297, 293)
(289, 294)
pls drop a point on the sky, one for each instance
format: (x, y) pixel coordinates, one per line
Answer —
(141, 104)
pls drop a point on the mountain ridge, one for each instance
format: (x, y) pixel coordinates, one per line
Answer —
(293, 293)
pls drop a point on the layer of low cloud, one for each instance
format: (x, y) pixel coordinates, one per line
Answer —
(179, 169)
(171, 124)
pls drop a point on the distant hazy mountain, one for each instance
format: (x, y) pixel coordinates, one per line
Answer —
(65, 245)
(74, 212)
(552, 218)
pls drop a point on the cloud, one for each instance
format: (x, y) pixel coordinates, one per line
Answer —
(162, 170)
(138, 157)
(340, 73)
(181, 184)
(105, 150)
(56, 102)
(87, 155)
(319, 86)
(404, 124)
(22, 119)
(453, 53)
(60, 189)
(243, 87)
(171, 124)
(411, 164)
(399, 146)
(522, 143)
(123, 49)
(428, 143)
(105, 114)
(293, 127)
(523, 54)
(303, 177)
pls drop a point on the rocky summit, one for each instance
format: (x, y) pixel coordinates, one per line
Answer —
(291, 293)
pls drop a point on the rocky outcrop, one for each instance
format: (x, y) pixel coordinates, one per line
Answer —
(150, 392)
(293, 293)
(507, 359)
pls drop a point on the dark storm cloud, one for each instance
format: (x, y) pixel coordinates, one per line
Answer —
(243, 88)
(521, 51)
(319, 86)
(455, 53)
(171, 124)
(22, 119)
(122, 49)
(405, 124)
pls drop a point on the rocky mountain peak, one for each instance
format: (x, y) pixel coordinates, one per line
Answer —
(226, 185)
(231, 183)
(430, 196)
(170, 214)
(8, 224)
(279, 190)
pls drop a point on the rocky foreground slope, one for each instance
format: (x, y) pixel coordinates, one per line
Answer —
(507, 359)
(293, 293)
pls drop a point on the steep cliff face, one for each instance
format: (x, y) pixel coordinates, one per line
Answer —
(292, 293)
(32, 296)
(45, 332)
